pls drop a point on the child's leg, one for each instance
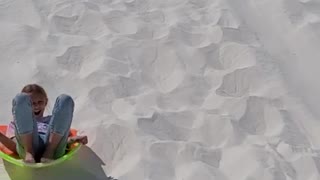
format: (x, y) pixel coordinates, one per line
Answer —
(59, 128)
(25, 127)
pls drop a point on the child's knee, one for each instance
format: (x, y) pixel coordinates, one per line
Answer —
(66, 100)
(21, 98)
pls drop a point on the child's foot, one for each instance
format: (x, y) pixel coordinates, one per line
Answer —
(45, 160)
(47, 156)
(29, 158)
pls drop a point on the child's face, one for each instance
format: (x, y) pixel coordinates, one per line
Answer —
(39, 103)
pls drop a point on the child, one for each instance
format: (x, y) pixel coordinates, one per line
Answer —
(36, 137)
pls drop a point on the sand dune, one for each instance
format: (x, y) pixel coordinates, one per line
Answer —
(172, 90)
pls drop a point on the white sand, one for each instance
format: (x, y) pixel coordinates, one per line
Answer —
(173, 89)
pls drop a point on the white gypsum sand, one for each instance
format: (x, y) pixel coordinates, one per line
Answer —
(172, 89)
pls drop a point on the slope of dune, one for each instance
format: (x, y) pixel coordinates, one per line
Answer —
(172, 90)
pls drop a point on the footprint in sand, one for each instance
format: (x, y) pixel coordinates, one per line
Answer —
(60, 24)
(263, 117)
(199, 170)
(253, 121)
(194, 152)
(213, 131)
(72, 59)
(154, 17)
(242, 35)
(86, 57)
(124, 50)
(102, 97)
(196, 37)
(230, 56)
(137, 6)
(237, 83)
(120, 22)
(200, 159)
(161, 67)
(234, 55)
(119, 87)
(292, 133)
(77, 18)
(165, 151)
(229, 20)
(183, 155)
(203, 3)
(164, 128)
(116, 67)
(185, 95)
(166, 4)
(120, 143)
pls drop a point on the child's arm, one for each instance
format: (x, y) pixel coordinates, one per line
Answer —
(9, 143)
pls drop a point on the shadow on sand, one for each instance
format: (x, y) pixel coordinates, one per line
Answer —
(85, 165)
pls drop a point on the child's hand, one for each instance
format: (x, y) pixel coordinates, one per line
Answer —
(79, 139)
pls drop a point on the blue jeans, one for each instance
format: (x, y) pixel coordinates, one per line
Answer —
(25, 123)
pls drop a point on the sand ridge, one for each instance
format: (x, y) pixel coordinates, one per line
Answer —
(179, 89)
